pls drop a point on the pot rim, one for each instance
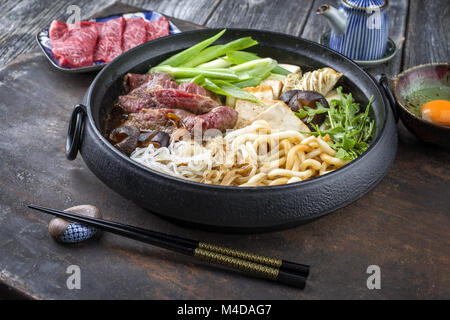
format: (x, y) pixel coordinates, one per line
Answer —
(238, 189)
(403, 74)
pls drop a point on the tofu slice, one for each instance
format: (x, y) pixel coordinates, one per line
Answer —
(291, 68)
(261, 92)
(276, 86)
(280, 117)
(247, 110)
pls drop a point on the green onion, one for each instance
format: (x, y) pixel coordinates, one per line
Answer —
(198, 79)
(211, 53)
(227, 89)
(182, 80)
(181, 72)
(259, 64)
(276, 76)
(191, 52)
(253, 82)
(217, 63)
(238, 57)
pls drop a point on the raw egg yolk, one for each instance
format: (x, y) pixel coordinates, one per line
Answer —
(437, 111)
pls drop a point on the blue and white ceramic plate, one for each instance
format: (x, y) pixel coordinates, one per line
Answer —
(391, 50)
(44, 40)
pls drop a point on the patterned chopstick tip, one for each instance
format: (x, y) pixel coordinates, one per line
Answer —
(73, 232)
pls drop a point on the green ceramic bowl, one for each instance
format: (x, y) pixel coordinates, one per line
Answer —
(416, 86)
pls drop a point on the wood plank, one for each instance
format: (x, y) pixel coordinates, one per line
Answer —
(397, 11)
(428, 34)
(196, 11)
(273, 15)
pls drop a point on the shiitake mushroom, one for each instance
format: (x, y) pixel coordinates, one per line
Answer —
(287, 96)
(157, 138)
(125, 138)
(298, 99)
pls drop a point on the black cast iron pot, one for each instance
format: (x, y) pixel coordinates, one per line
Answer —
(232, 208)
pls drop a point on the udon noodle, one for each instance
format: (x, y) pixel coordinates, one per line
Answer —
(255, 155)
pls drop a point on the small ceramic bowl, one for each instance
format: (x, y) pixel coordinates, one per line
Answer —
(416, 86)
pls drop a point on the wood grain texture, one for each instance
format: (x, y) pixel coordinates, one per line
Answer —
(273, 15)
(402, 225)
(428, 34)
(194, 11)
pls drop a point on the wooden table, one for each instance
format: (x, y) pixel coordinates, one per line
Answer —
(402, 225)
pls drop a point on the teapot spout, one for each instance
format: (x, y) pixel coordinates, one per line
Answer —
(336, 19)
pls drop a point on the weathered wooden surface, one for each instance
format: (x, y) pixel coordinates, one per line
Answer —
(274, 15)
(402, 225)
(428, 34)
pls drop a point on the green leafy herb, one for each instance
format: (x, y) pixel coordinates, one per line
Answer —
(310, 112)
(349, 129)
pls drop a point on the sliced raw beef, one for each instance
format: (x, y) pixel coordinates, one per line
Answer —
(109, 43)
(132, 81)
(195, 88)
(73, 45)
(158, 28)
(220, 118)
(134, 33)
(166, 98)
(155, 81)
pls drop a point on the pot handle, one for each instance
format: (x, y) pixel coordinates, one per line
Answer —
(383, 82)
(76, 124)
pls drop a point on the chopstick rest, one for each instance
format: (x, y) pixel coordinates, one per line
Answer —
(73, 232)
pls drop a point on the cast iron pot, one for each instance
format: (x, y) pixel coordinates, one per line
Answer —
(223, 208)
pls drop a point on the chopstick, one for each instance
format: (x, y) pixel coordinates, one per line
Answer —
(282, 271)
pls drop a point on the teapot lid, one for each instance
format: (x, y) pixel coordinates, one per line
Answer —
(366, 4)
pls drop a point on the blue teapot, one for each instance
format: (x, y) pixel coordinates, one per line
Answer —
(359, 28)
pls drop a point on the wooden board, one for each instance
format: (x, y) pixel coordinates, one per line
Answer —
(428, 36)
(401, 226)
(273, 15)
